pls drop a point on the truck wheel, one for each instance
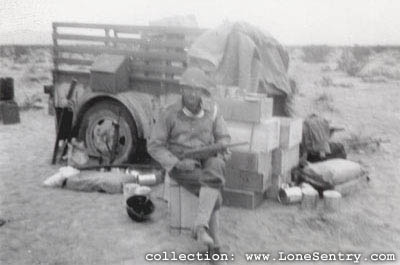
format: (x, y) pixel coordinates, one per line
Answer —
(98, 130)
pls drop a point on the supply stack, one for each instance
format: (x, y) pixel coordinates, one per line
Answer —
(258, 169)
(286, 156)
(249, 170)
(9, 111)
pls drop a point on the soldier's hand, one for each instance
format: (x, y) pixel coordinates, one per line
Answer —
(226, 155)
(187, 164)
(65, 103)
(303, 160)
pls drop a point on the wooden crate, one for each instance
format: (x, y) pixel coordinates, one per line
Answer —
(242, 198)
(291, 132)
(182, 207)
(250, 161)
(283, 160)
(274, 185)
(249, 171)
(110, 73)
(9, 112)
(246, 180)
(246, 110)
(263, 137)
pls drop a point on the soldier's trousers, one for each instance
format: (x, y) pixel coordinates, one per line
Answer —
(206, 183)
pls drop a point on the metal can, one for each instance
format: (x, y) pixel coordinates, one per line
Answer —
(147, 179)
(288, 195)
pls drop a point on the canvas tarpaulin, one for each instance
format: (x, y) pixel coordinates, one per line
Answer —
(238, 54)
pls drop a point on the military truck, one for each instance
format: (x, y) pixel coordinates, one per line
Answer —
(125, 75)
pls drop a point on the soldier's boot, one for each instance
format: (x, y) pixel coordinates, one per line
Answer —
(203, 237)
(214, 232)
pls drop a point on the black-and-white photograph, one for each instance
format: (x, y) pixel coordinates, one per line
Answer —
(199, 132)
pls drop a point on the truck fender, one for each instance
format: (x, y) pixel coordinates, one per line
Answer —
(129, 101)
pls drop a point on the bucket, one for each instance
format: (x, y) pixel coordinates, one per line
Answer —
(310, 197)
(332, 200)
(289, 195)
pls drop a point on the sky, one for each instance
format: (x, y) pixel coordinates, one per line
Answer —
(292, 22)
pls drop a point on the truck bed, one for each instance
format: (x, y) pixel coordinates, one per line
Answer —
(156, 54)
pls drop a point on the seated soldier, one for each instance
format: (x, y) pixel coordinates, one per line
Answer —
(186, 125)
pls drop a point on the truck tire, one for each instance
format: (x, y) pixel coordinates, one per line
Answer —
(97, 130)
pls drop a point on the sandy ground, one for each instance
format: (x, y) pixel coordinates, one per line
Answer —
(54, 226)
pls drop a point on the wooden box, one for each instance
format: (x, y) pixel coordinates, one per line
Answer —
(9, 112)
(110, 73)
(250, 161)
(262, 137)
(246, 110)
(249, 171)
(246, 180)
(183, 207)
(284, 160)
(241, 198)
(274, 185)
(291, 132)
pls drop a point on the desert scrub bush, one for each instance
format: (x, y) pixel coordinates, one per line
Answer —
(21, 54)
(359, 143)
(361, 53)
(324, 101)
(326, 81)
(326, 68)
(31, 102)
(316, 53)
(353, 59)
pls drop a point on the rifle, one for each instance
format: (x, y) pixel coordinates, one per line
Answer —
(114, 150)
(332, 130)
(208, 151)
(64, 110)
(363, 143)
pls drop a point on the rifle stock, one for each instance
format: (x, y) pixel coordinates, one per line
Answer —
(69, 96)
(208, 151)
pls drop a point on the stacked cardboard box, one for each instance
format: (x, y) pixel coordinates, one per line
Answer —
(249, 170)
(286, 157)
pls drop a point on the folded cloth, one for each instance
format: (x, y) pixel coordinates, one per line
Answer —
(58, 179)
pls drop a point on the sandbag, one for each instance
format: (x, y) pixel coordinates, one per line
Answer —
(353, 186)
(338, 170)
(306, 174)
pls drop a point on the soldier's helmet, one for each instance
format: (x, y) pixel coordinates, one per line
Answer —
(139, 207)
(197, 78)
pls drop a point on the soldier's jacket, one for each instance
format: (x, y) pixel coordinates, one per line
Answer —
(178, 130)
